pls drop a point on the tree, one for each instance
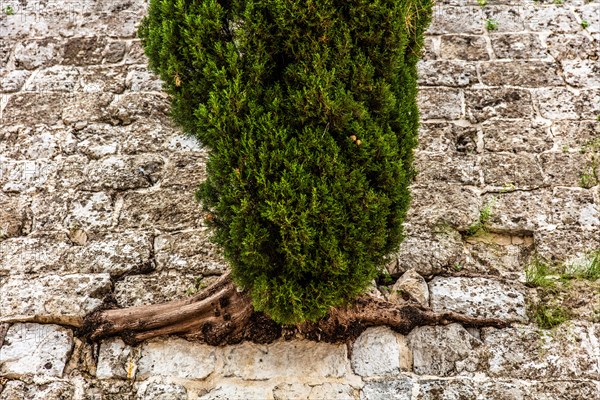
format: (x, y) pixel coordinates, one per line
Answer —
(309, 110)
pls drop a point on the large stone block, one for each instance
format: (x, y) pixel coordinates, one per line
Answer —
(441, 350)
(581, 73)
(438, 168)
(574, 207)
(509, 135)
(55, 79)
(550, 19)
(446, 137)
(507, 16)
(465, 19)
(521, 73)
(32, 349)
(123, 172)
(176, 358)
(116, 360)
(396, 389)
(567, 46)
(312, 361)
(33, 254)
(447, 73)
(20, 390)
(521, 170)
(565, 169)
(107, 79)
(478, 297)
(440, 103)
(519, 212)
(464, 47)
(380, 351)
(12, 80)
(558, 244)
(557, 103)
(161, 391)
(190, 252)
(68, 297)
(512, 46)
(503, 102)
(32, 54)
(137, 290)
(574, 135)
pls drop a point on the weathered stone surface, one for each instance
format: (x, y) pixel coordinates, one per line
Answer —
(447, 73)
(333, 391)
(12, 80)
(238, 391)
(440, 103)
(569, 352)
(286, 359)
(502, 102)
(188, 169)
(515, 136)
(191, 252)
(380, 351)
(161, 391)
(454, 205)
(32, 349)
(499, 170)
(521, 73)
(396, 389)
(464, 47)
(456, 20)
(581, 73)
(97, 79)
(140, 79)
(445, 168)
(33, 54)
(176, 358)
(517, 46)
(557, 103)
(571, 46)
(565, 169)
(575, 135)
(553, 18)
(478, 297)
(19, 390)
(123, 173)
(410, 286)
(55, 79)
(574, 207)
(509, 19)
(554, 244)
(68, 297)
(430, 253)
(497, 259)
(117, 360)
(447, 137)
(441, 350)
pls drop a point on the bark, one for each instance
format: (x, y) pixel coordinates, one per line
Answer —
(222, 314)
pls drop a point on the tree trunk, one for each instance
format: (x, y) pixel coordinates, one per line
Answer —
(221, 314)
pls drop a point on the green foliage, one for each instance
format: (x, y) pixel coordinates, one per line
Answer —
(485, 214)
(537, 274)
(309, 111)
(491, 24)
(9, 10)
(548, 317)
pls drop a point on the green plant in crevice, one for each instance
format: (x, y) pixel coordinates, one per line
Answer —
(482, 3)
(9, 10)
(485, 214)
(548, 317)
(585, 24)
(308, 109)
(537, 273)
(491, 24)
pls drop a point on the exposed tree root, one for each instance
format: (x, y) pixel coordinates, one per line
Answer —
(222, 315)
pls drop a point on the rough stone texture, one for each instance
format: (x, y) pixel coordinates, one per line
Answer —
(36, 350)
(410, 286)
(96, 204)
(480, 297)
(380, 351)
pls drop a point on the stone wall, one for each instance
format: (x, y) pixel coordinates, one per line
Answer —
(97, 208)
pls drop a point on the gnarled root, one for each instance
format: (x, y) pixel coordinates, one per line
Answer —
(223, 315)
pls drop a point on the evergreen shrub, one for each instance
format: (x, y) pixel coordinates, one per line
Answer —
(308, 108)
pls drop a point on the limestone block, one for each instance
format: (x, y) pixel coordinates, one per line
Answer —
(161, 391)
(516, 46)
(567, 46)
(520, 211)
(186, 167)
(107, 79)
(238, 391)
(12, 80)
(509, 17)
(397, 389)
(91, 211)
(85, 108)
(574, 135)
(574, 207)
(447, 137)
(454, 205)
(191, 252)
(163, 208)
(33, 254)
(57, 78)
(35, 349)
(521, 73)
(447, 168)
(509, 135)
(441, 350)
(313, 361)
(19, 390)
(557, 103)
(34, 108)
(25, 176)
(15, 218)
(116, 360)
(581, 73)
(176, 358)
(429, 253)
(565, 169)
(440, 103)
(330, 391)
(32, 54)
(503, 102)
(446, 73)
(69, 297)
(590, 12)
(380, 351)
(123, 172)
(553, 18)
(84, 50)
(478, 297)
(503, 169)
(410, 286)
(137, 106)
(5, 50)
(431, 389)
(588, 103)
(464, 47)
(568, 352)
(466, 19)
(556, 245)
